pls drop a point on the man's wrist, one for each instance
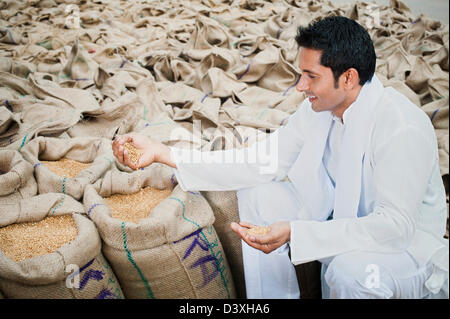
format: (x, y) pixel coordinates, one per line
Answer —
(164, 156)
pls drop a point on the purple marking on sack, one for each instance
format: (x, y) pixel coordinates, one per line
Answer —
(10, 36)
(278, 33)
(295, 84)
(91, 274)
(8, 105)
(36, 165)
(87, 265)
(198, 241)
(91, 208)
(81, 79)
(434, 113)
(207, 276)
(123, 63)
(194, 193)
(172, 179)
(81, 269)
(282, 121)
(206, 95)
(245, 72)
(105, 293)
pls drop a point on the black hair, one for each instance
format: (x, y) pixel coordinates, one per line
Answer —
(344, 44)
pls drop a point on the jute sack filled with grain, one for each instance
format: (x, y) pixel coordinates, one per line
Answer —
(174, 252)
(225, 208)
(16, 177)
(67, 165)
(53, 253)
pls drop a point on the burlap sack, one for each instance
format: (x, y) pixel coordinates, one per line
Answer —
(77, 270)
(78, 99)
(220, 84)
(9, 125)
(256, 117)
(174, 253)
(152, 100)
(116, 117)
(83, 149)
(80, 67)
(16, 178)
(259, 63)
(169, 132)
(208, 33)
(35, 208)
(225, 208)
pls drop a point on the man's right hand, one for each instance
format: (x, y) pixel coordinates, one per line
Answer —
(152, 151)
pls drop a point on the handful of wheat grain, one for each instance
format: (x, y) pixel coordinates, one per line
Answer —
(258, 230)
(133, 153)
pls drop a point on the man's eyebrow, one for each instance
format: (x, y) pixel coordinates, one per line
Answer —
(309, 71)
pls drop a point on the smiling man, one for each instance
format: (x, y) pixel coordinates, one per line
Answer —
(364, 194)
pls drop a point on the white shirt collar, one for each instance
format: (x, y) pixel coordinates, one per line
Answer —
(361, 98)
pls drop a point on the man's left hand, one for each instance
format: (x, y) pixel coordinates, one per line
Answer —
(280, 233)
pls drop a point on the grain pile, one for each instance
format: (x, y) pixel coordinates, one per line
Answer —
(66, 167)
(26, 240)
(133, 153)
(134, 207)
(258, 230)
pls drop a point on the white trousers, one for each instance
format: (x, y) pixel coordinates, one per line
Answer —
(351, 275)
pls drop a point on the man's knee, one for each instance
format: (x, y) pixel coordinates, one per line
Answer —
(351, 277)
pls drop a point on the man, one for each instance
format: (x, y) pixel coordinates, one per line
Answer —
(364, 194)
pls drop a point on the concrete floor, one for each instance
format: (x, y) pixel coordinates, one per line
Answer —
(434, 9)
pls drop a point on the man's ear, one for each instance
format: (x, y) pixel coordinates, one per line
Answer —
(351, 78)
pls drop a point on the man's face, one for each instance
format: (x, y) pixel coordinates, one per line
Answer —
(317, 82)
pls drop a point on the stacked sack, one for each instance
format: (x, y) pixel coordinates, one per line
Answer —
(173, 251)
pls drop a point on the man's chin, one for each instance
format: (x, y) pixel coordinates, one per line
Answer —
(316, 108)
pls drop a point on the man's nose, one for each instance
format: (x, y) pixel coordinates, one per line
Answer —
(302, 84)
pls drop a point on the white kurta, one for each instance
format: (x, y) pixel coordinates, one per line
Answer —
(402, 203)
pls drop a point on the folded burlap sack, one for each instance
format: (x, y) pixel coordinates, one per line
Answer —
(9, 125)
(116, 117)
(16, 177)
(75, 270)
(37, 207)
(173, 253)
(82, 149)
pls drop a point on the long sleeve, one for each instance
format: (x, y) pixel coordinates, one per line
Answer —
(401, 174)
(234, 169)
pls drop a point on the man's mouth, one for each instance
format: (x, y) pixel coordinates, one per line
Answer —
(312, 98)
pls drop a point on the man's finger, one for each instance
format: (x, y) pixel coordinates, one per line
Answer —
(238, 229)
(246, 224)
(262, 239)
